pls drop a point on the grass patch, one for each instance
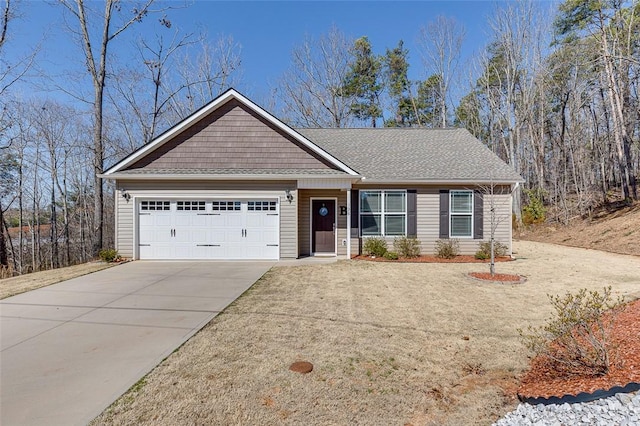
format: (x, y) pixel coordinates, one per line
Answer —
(391, 343)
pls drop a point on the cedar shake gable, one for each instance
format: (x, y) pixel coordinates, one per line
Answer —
(232, 136)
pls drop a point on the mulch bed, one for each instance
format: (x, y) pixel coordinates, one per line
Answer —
(543, 382)
(433, 259)
(504, 278)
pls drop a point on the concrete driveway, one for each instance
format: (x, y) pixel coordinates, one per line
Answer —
(70, 349)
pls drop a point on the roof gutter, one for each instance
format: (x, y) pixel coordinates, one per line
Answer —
(125, 176)
(438, 182)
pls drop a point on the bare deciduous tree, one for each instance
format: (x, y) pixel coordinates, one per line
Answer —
(441, 42)
(311, 90)
(96, 56)
(171, 85)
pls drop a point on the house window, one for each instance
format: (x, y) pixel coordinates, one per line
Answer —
(264, 206)
(190, 205)
(226, 206)
(383, 213)
(146, 206)
(461, 214)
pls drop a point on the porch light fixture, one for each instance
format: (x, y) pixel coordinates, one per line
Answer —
(289, 195)
(125, 194)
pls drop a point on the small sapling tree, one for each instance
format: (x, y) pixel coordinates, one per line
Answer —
(489, 193)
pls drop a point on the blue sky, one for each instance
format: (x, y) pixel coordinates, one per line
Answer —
(266, 30)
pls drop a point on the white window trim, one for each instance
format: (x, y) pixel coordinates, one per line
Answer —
(382, 213)
(472, 214)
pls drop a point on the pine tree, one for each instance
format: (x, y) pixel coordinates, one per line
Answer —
(363, 82)
(396, 67)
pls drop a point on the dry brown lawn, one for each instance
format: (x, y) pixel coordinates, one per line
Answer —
(391, 344)
(20, 284)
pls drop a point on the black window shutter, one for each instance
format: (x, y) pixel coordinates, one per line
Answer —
(444, 213)
(355, 213)
(478, 213)
(412, 216)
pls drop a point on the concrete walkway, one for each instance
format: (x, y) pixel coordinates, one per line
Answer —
(70, 349)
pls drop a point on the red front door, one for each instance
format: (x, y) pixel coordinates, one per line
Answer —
(323, 226)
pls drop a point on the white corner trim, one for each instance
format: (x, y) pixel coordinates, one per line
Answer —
(348, 224)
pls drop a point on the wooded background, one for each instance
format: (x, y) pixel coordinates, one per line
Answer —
(555, 96)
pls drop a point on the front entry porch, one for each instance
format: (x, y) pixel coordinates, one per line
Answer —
(324, 224)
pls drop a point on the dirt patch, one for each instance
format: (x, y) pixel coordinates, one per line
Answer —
(542, 381)
(615, 229)
(303, 367)
(391, 343)
(20, 284)
(503, 278)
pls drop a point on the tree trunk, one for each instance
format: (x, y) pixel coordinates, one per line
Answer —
(53, 231)
(4, 258)
(617, 114)
(98, 162)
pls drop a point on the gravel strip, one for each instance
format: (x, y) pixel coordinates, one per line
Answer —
(621, 409)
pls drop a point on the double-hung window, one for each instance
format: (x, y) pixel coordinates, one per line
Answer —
(461, 214)
(383, 213)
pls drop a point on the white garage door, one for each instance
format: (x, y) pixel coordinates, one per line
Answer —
(218, 229)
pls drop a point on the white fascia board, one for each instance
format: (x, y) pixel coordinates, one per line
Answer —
(221, 100)
(436, 182)
(126, 176)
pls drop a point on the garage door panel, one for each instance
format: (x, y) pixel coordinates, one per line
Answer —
(145, 251)
(262, 251)
(146, 219)
(160, 219)
(192, 229)
(184, 235)
(233, 220)
(146, 236)
(234, 251)
(216, 236)
(261, 236)
(233, 236)
(163, 251)
(201, 220)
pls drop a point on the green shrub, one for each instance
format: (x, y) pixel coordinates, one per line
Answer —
(375, 246)
(109, 255)
(391, 255)
(534, 212)
(484, 250)
(407, 246)
(447, 249)
(576, 339)
(482, 255)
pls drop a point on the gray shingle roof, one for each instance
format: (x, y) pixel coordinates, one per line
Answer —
(392, 154)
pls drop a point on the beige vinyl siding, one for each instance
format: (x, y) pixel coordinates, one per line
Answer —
(428, 218)
(288, 225)
(304, 218)
(428, 207)
(232, 137)
(125, 237)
